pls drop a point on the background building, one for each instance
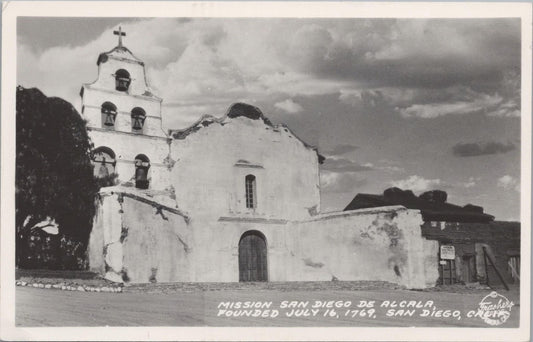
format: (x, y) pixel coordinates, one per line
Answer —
(466, 229)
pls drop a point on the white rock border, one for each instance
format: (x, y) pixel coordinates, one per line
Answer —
(70, 287)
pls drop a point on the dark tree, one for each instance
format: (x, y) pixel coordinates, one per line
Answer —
(54, 174)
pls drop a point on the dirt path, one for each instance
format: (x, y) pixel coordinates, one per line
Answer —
(43, 307)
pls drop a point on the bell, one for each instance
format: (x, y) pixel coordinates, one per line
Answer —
(122, 83)
(109, 118)
(138, 121)
(141, 180)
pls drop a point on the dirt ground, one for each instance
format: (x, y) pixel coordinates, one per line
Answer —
(212, 306)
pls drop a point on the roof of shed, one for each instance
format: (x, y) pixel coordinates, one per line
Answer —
(431, 208)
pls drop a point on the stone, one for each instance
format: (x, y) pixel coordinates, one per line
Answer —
(114, 277)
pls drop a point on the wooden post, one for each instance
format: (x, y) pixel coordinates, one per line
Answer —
(486, 266)
(451, 272)
(496, 269)
(513, 270)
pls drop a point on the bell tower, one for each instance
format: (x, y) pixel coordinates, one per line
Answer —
(124, 120)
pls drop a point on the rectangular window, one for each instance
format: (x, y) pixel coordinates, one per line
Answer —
(250, 191)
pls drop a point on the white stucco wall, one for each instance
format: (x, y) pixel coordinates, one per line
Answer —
(127, 146)
(212, 162)
(140, 237)
(383, 244)
(138, 240)
(118, 59)
(126, 143)
(94, 97)
(137, 95)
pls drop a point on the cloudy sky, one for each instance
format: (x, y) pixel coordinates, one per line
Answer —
(414, 103)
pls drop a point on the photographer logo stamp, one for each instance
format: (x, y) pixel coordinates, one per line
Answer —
(494, 309)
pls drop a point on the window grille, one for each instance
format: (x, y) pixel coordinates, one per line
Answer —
(250, 191)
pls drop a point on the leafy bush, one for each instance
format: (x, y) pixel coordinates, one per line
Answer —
(54, 174)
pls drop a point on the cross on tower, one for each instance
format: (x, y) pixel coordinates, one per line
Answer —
(120, 34)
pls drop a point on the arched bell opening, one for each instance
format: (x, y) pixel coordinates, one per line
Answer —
(104, 162)
(142, 165)
(122, 80)
(109, 114)
(138, 115)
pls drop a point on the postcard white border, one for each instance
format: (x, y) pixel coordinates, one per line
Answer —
(249, 9)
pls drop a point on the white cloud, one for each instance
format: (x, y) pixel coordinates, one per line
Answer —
(340, 182)
(509, 108)
(509, 182)
(417, 183)
(391, 168)
(295, 83)
(368, 98)
(471, 182)
(289, 106)
(430, 103)
(192, 61)
(189, 61)
(387, 168)
(483, 102)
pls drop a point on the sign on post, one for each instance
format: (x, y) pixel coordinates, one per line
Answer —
(447, 252)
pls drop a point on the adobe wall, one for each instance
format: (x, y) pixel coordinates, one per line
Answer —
(139, 240)
(138, 95)
(121, 138)
(369, 244)
(502, 238)
(128, 146)
(213, 161)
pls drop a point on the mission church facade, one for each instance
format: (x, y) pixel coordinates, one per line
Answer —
(231, 198)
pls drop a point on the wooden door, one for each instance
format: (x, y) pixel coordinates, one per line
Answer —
(253, 257)
(469, 268)
(447, 272)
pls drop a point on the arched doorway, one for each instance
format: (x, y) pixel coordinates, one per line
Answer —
(253, 257)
